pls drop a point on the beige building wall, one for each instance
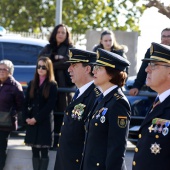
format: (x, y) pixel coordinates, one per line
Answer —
(130, 39)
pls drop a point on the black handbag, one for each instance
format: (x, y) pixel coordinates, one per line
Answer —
(5, 119)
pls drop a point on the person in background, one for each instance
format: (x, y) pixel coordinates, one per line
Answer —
(107, 124)
(57, 50)
(152, 150)
(38, 109)
(11, 98)
(141, 76)
(108, 42)
(71, 140)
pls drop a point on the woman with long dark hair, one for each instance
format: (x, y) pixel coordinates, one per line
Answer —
(38, 109)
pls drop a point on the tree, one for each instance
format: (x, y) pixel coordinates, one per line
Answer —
(165, 10)
(80, 15)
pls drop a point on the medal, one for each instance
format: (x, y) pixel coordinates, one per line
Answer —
(155, 148)
(103, 119)
(165, 129)
(98, 115)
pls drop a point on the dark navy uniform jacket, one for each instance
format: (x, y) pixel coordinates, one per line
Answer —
(71, 140)
(106, 136)
(153, 148)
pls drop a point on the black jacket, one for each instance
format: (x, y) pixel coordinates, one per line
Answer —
(42, 110)
(71, 140)
(144, 158)
(106, 133)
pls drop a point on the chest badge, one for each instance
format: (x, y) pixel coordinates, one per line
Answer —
(77, 112)
(155, 148)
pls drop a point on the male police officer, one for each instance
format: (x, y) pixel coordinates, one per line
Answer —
(153, 148)
(71, 141)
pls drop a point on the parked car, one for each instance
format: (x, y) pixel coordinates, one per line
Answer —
(139, 105)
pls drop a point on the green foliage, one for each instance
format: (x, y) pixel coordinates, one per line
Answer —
(80, 15)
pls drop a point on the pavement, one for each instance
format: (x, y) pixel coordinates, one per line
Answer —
(19, 156)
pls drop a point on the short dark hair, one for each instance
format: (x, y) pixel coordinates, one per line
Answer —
(118, 77)
(87, 64)
(165, 29)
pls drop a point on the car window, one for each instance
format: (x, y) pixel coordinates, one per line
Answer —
(19, 54)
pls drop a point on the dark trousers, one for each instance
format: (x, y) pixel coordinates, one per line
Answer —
(3, 146)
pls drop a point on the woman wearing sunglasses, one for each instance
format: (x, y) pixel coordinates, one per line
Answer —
(108, 122)
(38, 113)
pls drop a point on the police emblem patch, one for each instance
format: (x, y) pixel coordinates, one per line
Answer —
(122, 121)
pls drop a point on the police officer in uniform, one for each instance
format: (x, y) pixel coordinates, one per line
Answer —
(153, 148)
(71, 140)
(108, 122)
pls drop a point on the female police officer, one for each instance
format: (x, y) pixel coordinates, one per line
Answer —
(108, 122)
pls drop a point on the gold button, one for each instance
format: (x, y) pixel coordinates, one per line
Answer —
(58, 144)
(136, 149)
(97, 164)
(59, 134)
(134, 163)
(140, 136)
(96, 124)
(63, 123)
(77, 160)
(156, 136)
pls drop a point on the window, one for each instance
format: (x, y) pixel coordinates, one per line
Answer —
(19, 54)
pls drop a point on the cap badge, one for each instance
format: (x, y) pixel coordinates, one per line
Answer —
(70, 54)
(151, 50)
(98, 55)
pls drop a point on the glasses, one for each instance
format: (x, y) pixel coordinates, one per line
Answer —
(96, 68)
(4, 69)
(153, 65)
(164, 36)
(42, 67)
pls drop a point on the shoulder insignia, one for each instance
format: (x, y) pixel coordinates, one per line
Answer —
(122, 121)
(97, 91)
(117, 96)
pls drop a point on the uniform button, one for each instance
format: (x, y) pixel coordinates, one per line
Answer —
(134, 163)
(58, 145)
(63, 123)
(136, 149)
(156, 136)
(77, 160)
(97, 164)
(140, 136)
(96, 124)
(59, 134)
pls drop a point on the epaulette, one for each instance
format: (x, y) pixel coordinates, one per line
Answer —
(117, 96)
(97, 91)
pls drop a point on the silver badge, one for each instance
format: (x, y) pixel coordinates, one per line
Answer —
(155, 148)
(102, 119)
(165, 131)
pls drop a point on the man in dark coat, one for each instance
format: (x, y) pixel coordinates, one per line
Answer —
(152, 151)
(71, 140)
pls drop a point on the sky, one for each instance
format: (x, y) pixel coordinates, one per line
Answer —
(151, 24)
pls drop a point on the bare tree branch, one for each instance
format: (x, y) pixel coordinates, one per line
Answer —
(165, 10)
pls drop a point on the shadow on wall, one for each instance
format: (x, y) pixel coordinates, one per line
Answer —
(130, 39)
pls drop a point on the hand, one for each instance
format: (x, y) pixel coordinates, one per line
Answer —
(31, 121)
(133, 91)
(58, 57)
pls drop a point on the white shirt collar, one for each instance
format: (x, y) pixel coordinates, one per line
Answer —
(109, 90)
(164, 95)
(83, 88)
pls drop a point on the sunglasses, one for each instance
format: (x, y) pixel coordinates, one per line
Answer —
(42, 67)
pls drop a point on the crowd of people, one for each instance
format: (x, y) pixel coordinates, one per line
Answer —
(95, 126)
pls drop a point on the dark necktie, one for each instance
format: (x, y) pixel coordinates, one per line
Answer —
(99, 99)
(156, 102)
(76, 94)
